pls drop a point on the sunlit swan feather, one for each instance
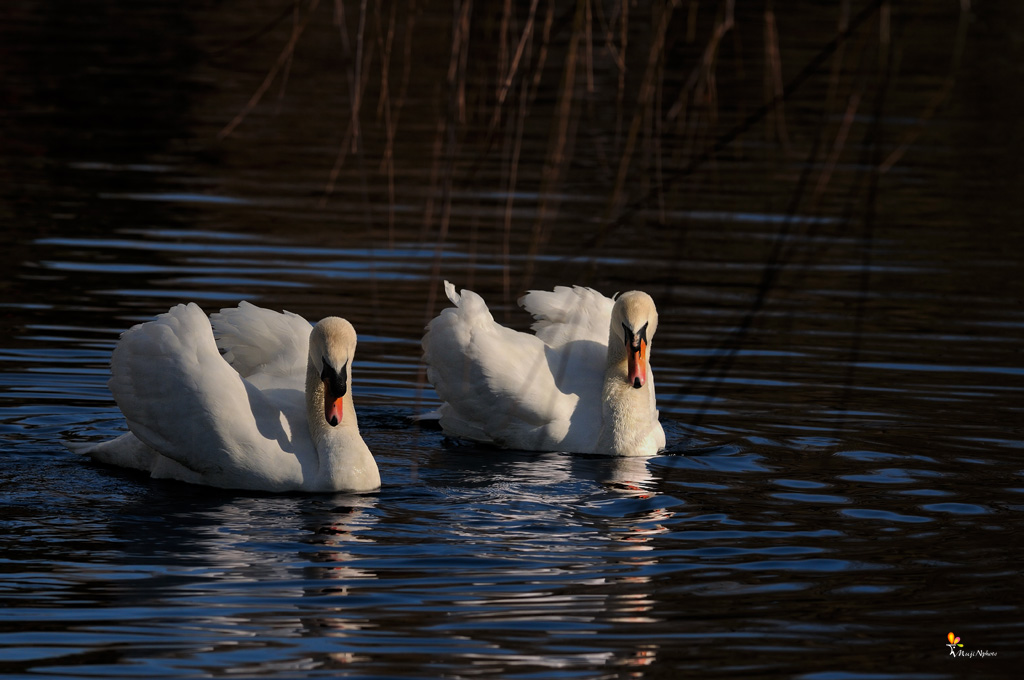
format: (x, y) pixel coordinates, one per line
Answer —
(271, 410)
(582, 383)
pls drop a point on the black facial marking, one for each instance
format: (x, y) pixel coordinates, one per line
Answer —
(337, 381)
(633, 340)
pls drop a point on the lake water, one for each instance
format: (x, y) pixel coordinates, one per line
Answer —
(839, 357)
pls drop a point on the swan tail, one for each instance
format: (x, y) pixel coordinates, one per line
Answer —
(125, 451)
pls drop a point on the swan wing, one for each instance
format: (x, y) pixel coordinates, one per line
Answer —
(497, 384)
(267, 347)
(565, 314)
(182, 399)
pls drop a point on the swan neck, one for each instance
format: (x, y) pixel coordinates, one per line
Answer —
(342, 457)
(627, 412)
(318, 424)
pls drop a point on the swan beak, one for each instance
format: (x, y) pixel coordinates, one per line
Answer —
(637, 365)
(332, 410)
(335, 389)
(636, 356)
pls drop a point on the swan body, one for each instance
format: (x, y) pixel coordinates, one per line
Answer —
(582, 383)
(258, 400)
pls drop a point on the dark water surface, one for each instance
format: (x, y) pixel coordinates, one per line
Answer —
(839, 358)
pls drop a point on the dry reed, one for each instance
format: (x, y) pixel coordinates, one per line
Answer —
(524, 85)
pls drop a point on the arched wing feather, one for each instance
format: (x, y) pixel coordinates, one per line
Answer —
(262, 344)
(181, 398)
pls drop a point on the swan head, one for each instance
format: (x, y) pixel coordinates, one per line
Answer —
(634, 321)
(332, 343)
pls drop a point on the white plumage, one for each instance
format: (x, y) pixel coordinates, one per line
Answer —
(582, 383)
(259, 417)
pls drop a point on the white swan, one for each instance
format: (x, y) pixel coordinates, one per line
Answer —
(582, 384)
(274, 413)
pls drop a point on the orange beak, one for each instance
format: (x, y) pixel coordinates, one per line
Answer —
(333, 406)
(335, 389)
(636, 362)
